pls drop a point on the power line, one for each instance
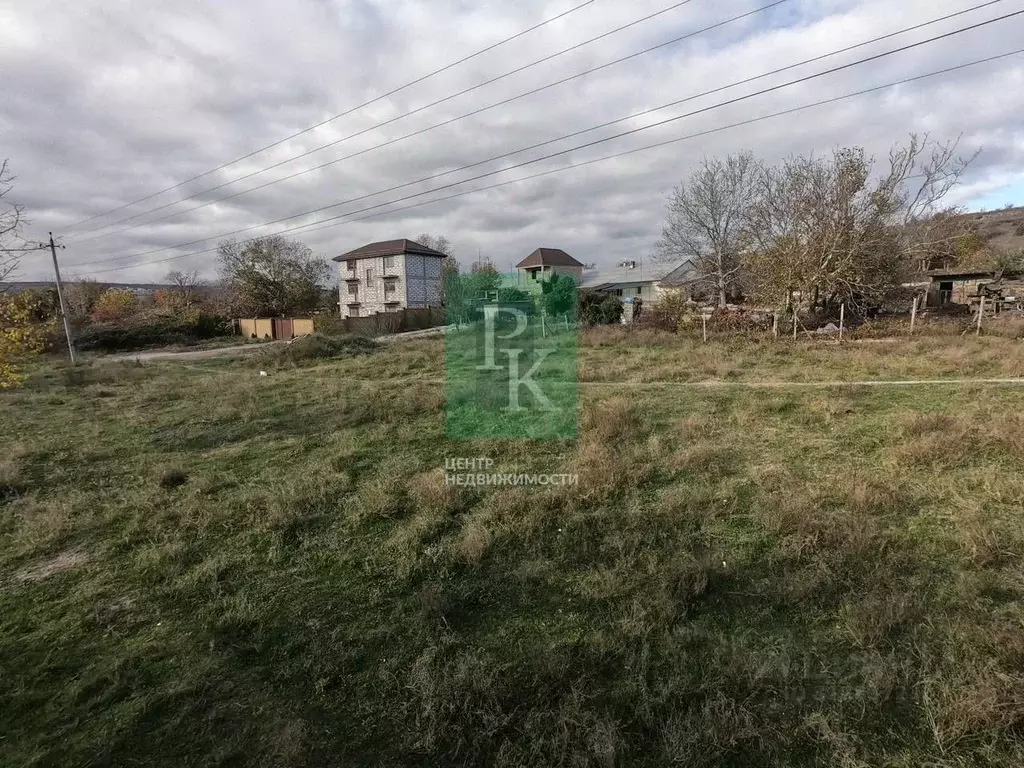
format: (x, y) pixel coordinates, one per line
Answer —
(533, 92)
(587, 145)
(463, 92)
(316, 226)
(450, 121)
(347, 112)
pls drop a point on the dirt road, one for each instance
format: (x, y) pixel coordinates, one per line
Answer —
(240, 350)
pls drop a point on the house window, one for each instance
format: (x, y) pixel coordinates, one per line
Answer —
(351, 264)
(389, 262)
(618, 291)
(389, 288)
(353, 289)
(353, 311)
(369, 275)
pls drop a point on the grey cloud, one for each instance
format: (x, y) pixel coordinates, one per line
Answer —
(107, 104)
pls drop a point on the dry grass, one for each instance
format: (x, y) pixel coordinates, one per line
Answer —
(953, 439)
(741, 577)
(474, 541)
(172, 477)
(431, 490)
(65, 561)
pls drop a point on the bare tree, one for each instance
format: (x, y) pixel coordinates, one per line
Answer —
(185, 285)
(921, 175)
(705, 223)
(81, 296)
(438, 243)
(827, 229)
(11, 221)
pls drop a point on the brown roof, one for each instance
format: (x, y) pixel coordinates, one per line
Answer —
(548, 257)
(389, 248)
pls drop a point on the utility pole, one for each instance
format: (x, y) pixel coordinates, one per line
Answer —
(60, 298)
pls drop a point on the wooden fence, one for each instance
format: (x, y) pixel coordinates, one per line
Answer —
(382, 323)
(274, 327)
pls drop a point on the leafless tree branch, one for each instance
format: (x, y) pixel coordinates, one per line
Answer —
(706, 222)
(11, 222)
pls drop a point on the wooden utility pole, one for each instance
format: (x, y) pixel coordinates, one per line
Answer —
(60, 298)
(981, 314)
(913, 316)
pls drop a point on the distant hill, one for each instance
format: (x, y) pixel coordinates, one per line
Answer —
(1002, 229)
(28, 285)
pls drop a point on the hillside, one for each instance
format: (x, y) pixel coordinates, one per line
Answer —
(17, 286)
(1002, 229)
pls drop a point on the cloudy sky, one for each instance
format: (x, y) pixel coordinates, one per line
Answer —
(104, 102)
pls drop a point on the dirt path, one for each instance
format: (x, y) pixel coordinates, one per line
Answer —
(190, 354)
(726, 384)
(240, 350)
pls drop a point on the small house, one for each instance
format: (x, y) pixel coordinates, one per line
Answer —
(545, 262)
(1005, 289)
(636, 280)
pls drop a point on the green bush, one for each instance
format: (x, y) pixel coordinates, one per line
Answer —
(330, 325)
(596, 308)
(512, 296)
(672, 312)
(309, 349)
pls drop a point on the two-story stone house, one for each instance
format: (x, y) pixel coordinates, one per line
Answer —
(389, 276)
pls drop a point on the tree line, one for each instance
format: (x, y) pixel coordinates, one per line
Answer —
(818, 230)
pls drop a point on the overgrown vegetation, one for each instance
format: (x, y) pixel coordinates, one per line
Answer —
(151, 330)
(207, 567)
(817, 231)
(310, 349)
(272, 276)
(22, 336)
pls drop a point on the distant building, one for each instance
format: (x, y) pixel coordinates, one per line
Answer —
(636, 280)
(545, 262)
(1002, 289)
(389, 276)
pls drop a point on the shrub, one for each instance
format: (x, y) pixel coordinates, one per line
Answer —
(673, 312)
(21, 337)
(152, 331)
(512, 295)
(598, 308)
(115, 304)
(330, 325)
(316, 347)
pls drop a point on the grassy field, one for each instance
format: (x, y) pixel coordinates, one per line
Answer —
(202, 566)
